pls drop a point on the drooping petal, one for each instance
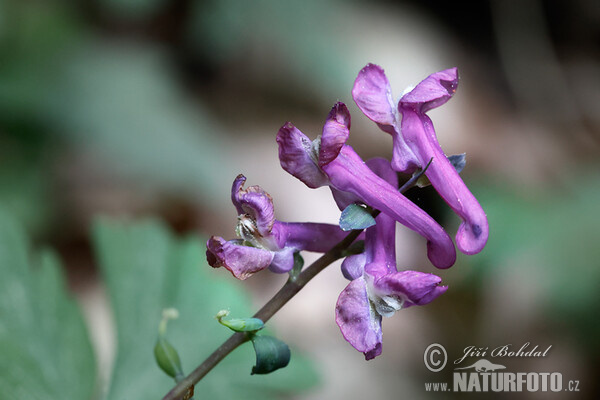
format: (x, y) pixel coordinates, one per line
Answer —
(296, 156)
(432, 92)
(255, 202)
(359, 325)
(350, 174)
(472, 234)
(308, 236)
(413, 287)
(335, 133)
(241, 261)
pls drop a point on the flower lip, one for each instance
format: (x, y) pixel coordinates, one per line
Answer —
(298, 155)
(433, 91)
(335, 133)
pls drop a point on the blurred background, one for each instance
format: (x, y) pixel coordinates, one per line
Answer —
(135, 108)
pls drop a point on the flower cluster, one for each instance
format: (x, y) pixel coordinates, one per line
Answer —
(377, 288)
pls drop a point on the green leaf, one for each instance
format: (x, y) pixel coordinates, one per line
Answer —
(45, 352)
(243, 324)
(167, 358)
(147, 270)
(356, 217)
(271, 354)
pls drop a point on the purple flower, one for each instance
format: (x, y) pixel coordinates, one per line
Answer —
(264, 241)
(328, 160)
(378, 290)
(415, 142)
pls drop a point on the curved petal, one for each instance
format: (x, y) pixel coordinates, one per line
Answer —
(353, 266)
(373, 95)
(283, 260)
(238, 183)
(472, 234)
(415, 288)
(295, 151)
(348, 173)
(381, 167)
(335, 133)
(359, 325)
(241, 261)
(432, 92)
(255, 202)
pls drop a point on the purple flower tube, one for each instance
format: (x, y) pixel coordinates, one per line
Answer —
(415, 142)
(346, 172)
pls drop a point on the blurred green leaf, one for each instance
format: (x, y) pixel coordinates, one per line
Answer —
(557, 230)
(121, 103)
(45, 352)
(305, 36)
(146, 270)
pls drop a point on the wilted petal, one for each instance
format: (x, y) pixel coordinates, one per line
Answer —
(255, 202)
(433, 91)
(472, 234)
(296, 156)
(413, 287)
(359, 325)
(241, 261)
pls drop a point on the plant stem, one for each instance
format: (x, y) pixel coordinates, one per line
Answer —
(289, 290)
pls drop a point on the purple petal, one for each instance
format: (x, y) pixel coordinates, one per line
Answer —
(472, 234)
(353, 266)
(432, 92)
(335, 133)
(381, 167)
(235, 190)
(295, 156)
(416, 288)
(307, 236)
(380, 246)
(359, 325)
(348, 173)
(283, 261)
(373, 95)
(255, 202)
(241, 261)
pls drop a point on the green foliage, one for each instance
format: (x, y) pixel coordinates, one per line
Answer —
(271, 354)
(556, 233)
(147, 270)
(45, 352)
